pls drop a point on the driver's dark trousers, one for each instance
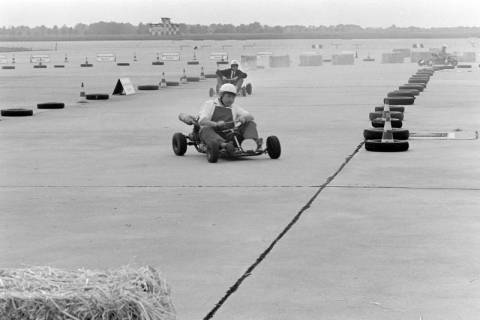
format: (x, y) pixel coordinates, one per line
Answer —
(248, 130)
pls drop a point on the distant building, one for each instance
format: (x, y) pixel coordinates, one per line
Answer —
(164, 28)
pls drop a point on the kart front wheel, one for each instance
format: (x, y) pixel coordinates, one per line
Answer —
(213, 151)
(273, 147)
(179, 144)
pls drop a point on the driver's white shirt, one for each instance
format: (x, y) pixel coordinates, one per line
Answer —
(207, 109)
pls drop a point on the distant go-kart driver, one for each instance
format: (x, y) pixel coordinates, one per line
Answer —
(233, 75)
(221, 114)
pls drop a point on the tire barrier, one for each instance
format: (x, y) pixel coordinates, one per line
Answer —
(86, 65)
(211, 76)
(396, 101)
(51, 105)
(464, 66)
(16, 112)
(380, 123)
(40, 66)
(376, 133)
(158, 63)
(193, 79)
(403, 93)
(173, 83)
(59, 66)
(8, 67)
(417, 86)
(97, 96)
(418, 80)
(379, 145)
(392, 108)
(369, 59)
(123, 64)
(148, 87)
(380, 114)
(194, 62)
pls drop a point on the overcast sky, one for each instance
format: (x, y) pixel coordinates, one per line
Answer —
(367, 13)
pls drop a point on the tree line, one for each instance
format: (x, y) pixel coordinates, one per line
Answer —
(118, 28)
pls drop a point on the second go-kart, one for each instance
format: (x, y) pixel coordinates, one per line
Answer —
(245, 90)
(181, 141)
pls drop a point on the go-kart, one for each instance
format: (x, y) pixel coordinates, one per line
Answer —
(246, 88)
(180, 142)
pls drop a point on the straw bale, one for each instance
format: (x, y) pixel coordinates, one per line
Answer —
(48, 293)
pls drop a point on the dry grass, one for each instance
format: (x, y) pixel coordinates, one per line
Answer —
(49, 294)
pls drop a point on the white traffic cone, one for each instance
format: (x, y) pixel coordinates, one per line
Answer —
(202, 74)
(163, 82)
(82, 94)
(183, 78)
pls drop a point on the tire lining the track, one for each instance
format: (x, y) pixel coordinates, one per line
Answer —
(264, 254)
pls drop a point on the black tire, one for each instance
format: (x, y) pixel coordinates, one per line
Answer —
(213, 151)
(158, 63)
(392, 108)
(123, 64)
(378, 146)
(51, 105)
(403, 93)
(380, 123)
(369, 59)
(379, 114)
(86, 65)
(417, 86)
(8, 67)
(179, 144)
(415, 80)
(59, 66)
(173, 83)
(274, 149)
(249, 88)
(464, 66)
(376, 133)
(97, 96)
(40, 66)
(148, 87)
(210, 76)
(193, 79)
(397, 101)
(16, 112)
(193, 62)
(222, 62)
(211, 92)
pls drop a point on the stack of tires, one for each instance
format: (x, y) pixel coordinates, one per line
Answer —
(387, 134)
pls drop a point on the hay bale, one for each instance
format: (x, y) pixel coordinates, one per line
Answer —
(279, 61)
(310, 59)
(344, 58)
(49, 294)
(392, 57)
(249, 62)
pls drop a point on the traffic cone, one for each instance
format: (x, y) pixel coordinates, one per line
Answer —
(13, 59)
(82, 94)
(387, 136)
(195, 53)
(158, 57)
(163, 82)
(66, 58)
(183, 78)
(202, 74)
(135, 57)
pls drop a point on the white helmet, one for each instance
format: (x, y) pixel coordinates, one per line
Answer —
(234, 62)
(228, 87)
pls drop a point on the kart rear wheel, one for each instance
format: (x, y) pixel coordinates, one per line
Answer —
(274, 148)
(244, 92)
(211, 93)
(248, 88)
(179, 144)
(213, 151)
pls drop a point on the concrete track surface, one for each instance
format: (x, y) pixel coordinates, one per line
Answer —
(392, 236)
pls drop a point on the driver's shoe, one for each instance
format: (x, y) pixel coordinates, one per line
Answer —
(259, 144)
(229, 148)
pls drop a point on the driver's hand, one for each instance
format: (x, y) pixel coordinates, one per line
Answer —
(220, 124)
(224, 78)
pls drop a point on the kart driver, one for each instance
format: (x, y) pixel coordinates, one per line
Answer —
(221, 114)
(232, 75)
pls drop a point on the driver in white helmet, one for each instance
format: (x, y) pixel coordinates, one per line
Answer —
(233, 75)
(221, 114)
